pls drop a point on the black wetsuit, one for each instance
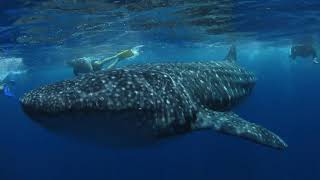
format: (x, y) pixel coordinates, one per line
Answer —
(303, 51)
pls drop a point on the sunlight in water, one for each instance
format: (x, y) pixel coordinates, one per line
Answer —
(11, 66)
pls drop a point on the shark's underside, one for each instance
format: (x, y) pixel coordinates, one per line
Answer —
(171, 99)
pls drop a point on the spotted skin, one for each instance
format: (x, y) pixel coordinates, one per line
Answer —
(181, 97)
(184, 86)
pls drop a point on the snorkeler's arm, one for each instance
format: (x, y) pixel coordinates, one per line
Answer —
(292, 53)
(75, 72)
(314, 54)
(315, 58)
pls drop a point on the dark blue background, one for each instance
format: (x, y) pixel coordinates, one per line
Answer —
(285, 100)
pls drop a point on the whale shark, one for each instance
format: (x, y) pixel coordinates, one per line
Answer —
(144, 103)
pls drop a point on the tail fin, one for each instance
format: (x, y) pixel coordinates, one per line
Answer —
(232, 54)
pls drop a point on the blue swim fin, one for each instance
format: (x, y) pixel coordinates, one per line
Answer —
(7, 91)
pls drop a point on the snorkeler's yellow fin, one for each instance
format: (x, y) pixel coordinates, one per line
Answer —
(125, 54)
(121, 55)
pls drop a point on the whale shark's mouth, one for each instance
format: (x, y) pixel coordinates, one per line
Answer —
(122, 128)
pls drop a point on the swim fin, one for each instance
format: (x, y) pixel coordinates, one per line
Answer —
(7, 91)
(125, 54)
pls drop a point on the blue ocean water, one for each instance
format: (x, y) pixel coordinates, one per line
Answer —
(42, 35)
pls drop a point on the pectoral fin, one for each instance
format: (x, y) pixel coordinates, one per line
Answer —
(232, 124)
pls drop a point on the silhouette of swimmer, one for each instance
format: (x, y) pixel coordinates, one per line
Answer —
(81, 66)
(304, 50)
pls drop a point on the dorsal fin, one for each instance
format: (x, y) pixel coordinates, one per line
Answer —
(232, 54)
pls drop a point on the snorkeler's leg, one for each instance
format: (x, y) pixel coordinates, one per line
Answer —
(125, 54)
(98, 65)
(106, 60)
(113, 63)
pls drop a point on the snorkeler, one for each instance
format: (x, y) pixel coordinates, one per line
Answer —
(304, 50)
(82, 66)
(11, 68)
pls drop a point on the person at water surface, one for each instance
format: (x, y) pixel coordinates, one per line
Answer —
(82, 65)
(305, 51)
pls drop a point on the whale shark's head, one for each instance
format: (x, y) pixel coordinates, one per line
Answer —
(102, 91)
(89, 102)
